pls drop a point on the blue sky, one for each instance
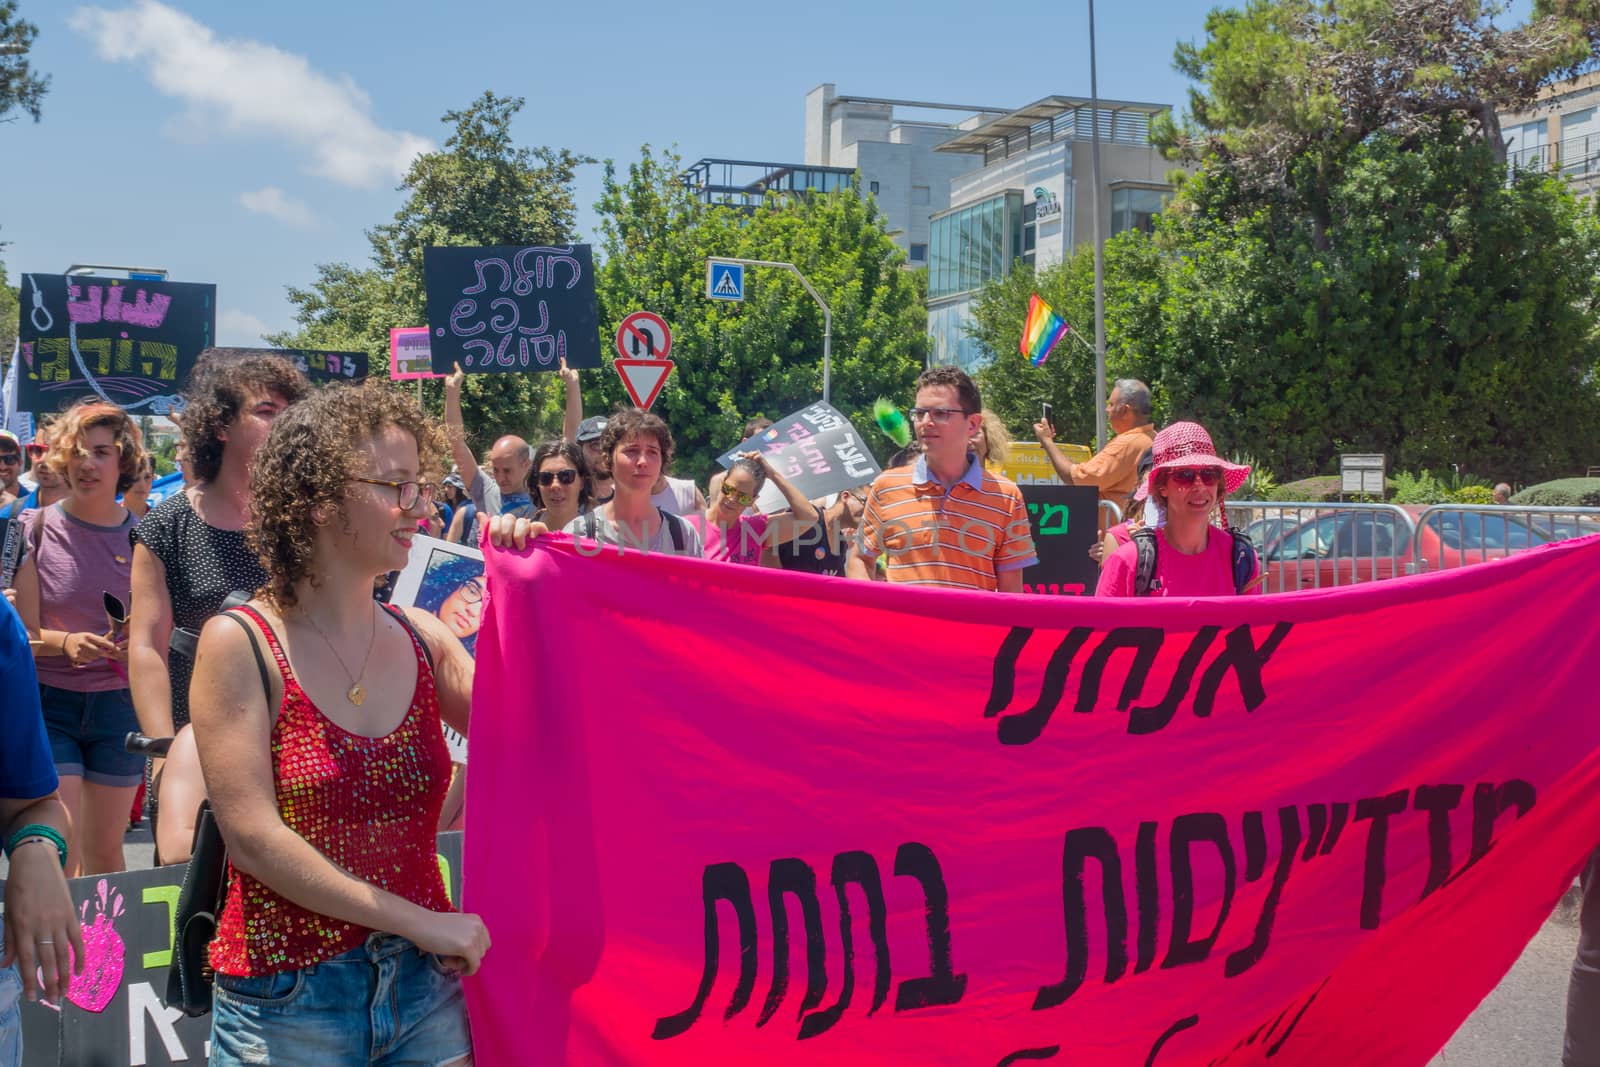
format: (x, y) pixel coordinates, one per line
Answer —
(243, 144)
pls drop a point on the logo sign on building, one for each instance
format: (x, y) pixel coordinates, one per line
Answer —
(1047, 205)
(643, 335)
(511, 308)
(409, 355)
(724, 280)
(1361, 474)
(129, 343)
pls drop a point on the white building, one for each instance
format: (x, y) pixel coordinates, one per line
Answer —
(1561, 133)
(1030, 199)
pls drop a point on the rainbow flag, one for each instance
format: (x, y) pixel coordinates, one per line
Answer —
(1041, 331)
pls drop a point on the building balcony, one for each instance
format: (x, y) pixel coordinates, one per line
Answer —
(744, 184)
(1577, 158)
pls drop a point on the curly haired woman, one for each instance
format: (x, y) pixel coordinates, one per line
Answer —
(328, 768)
(189, 554)
(78, 553)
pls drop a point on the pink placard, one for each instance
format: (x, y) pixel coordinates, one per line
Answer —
(722, 814)
(408, 354)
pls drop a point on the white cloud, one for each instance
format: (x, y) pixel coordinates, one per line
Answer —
(240, 329)
(253, 89)
(272, 203)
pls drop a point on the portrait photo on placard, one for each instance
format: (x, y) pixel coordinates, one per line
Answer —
(445, 580)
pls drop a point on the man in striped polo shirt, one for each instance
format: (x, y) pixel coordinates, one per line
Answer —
(944, 520)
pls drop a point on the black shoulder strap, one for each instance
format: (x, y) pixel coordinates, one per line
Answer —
(400, 616)
(674, 528)
(1244, 560)
(1144, 575)
(261, 664)
(591, 526)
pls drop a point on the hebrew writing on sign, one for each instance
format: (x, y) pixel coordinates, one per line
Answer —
(986, 829)
(816, 449)
(131, 343)
(408, 354)
(113, 1013)
(322, 368)
(510, 308)
(1065, 522)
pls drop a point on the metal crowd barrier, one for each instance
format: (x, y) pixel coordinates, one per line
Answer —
(1458, 535)
(1112, 516)
(1318, 546)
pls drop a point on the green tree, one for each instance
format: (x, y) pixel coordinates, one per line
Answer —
(762, 356)
(481, 188)
(10, 309)
(21, 87)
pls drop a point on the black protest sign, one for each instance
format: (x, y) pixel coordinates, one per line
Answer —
(321, 367)
(511, 308)
(1065, 521)
(816, 449)
(131, 343)
(113, 1012)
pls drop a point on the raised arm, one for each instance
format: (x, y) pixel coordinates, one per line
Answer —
(466, 462)
(149, 631)
(781, 529)
(233, 730)
(569, 424)
(1058, 459)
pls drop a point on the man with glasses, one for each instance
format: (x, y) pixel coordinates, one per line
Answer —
(10, 468)
(945, 520)
(1114, 470)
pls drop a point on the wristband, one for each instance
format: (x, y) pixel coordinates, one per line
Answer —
(37, 832)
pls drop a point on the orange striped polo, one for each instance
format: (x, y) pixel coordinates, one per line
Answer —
(962, 537)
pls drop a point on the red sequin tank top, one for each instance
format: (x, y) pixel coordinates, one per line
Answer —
(369, 804)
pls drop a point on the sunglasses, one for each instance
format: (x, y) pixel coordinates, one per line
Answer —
(36, 450)
(1190, 475)
(565, 477)
(744, 500)
(10, 457)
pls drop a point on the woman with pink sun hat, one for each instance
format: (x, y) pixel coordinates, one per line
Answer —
(1183, 554)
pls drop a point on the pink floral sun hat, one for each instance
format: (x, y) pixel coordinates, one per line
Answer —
(1186, 444)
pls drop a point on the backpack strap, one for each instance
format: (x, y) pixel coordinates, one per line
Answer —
(674, 527)
(400, 617)
(1244, 560)
(591, 526)
(261, 664)
(1144, 574)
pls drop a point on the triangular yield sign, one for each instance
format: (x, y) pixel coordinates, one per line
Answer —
(643, 378)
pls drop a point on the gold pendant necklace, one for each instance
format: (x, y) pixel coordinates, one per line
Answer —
(356, 694)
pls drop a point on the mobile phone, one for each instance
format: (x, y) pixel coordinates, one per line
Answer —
(1048, 413)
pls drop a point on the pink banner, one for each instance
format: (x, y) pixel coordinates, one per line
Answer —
(726, 815)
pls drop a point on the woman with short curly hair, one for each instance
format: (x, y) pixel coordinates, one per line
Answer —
(317, 714)
(189, 555)
(77, 555)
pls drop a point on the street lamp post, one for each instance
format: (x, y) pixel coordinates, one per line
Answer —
(827, 315)
(1099, 251)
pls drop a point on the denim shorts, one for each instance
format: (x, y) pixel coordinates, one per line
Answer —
(10, 1017)
(87, 733)
(384, 1003)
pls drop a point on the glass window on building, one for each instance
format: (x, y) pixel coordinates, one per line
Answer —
(1135, 209)
(921, 194)
(919, 253)
(872, 186)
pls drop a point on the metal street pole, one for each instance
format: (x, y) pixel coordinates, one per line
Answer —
(827, 316)
(1099, 252)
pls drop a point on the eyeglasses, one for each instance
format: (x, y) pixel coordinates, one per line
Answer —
(565, 477)
(1189, 475)
(410, 493)
(472, 592)
(744, 500)
(36, 450)
(940, 416)
(10, 457)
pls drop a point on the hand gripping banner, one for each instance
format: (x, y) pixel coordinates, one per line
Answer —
(726, 815)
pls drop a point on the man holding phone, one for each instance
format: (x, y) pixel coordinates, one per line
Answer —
(1114, 469)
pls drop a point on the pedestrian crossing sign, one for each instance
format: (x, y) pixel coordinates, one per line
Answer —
(724, 280)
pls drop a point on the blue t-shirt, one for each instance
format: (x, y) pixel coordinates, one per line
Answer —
(26, 770)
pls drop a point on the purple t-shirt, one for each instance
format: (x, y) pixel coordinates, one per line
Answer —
(78, 564)
(743, 543)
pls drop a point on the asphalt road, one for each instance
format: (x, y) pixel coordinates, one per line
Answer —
(1517, 1025)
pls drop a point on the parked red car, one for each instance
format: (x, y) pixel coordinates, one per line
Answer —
(1332, 547)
